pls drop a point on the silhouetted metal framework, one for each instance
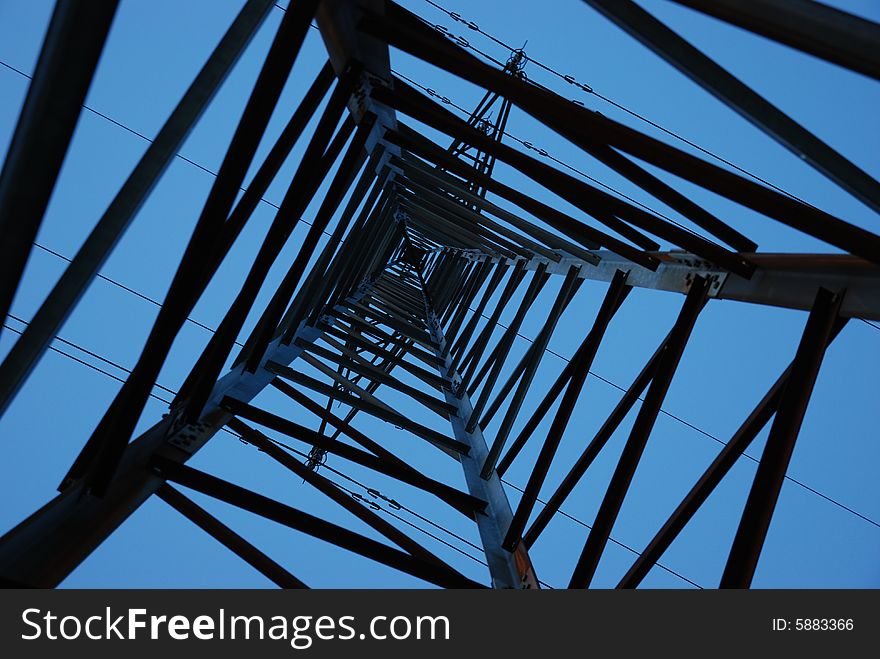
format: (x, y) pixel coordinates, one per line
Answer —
(424, 253)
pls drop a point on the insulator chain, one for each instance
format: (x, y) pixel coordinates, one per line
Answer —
(519, 53)
(532, 147)
(374, 496)
(443, 99)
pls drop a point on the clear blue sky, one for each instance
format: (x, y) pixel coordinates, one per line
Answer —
(154, 50)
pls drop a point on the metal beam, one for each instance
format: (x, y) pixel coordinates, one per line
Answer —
(310, 524)
(402, 29)
(71, 49)
(329, 489)
(418, 170)
(499, 355)
(461, 342)
(508, 570)
(350, 164)
(782, 16)
(100, 457)
(356, 364)
(813, 27)
(756, 517)
(70, 287)
(229, 538)
(630, 397)
(43, 549)
(791, 280)
(614, 297)
(452, 447)
(714, 474)
(379, 461)
(780, 280)
(612, 502)
(617, 214)
(572, 228)
(470, 361)
(525, 371)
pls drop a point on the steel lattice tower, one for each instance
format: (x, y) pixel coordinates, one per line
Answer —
(413, 262)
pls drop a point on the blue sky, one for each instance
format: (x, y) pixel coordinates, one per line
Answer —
(736, 352)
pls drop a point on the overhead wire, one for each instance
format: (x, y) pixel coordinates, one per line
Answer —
(612, 540)
(85, 363)
(125, 288)
(590, 373)
(543, 152)
(144, 137)
(244, 441)
(588, 89)
(698, 429)
(338, 472)
(593, 374)
(193, 163)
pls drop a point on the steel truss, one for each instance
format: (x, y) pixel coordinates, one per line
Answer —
(415, 257)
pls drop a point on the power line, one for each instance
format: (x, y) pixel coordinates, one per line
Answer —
(125, 288)
(616, 542)
(85, 363)
(305, 456)
(528, 145)
(700, 430)
(144, 137)
(95, 355)
(243, 440)
(565, 359)
(588, 89)
(90, 353)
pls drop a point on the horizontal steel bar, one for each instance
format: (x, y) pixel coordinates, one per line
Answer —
(780, 280)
